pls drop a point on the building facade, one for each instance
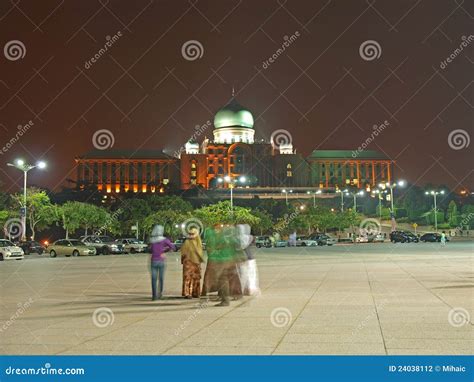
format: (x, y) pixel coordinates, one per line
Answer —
(233, 152)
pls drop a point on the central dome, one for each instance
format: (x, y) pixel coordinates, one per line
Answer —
(233, 115)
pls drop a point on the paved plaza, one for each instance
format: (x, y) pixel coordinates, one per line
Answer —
(346, 299)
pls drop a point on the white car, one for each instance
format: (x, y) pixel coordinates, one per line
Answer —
(10, 251)
(131, 245)
(303, 241)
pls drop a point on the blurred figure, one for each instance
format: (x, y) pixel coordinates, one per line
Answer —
(221, 272)
(443, 238)
(248, 267)
(292, 239)
(191, 258)
(159, 246)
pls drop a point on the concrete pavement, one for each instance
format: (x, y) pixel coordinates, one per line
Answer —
(347, 299)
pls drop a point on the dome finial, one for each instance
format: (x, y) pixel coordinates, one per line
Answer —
(233, 91)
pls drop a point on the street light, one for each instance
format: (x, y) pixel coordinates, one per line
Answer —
(314, 196)
(231, 182)
(379, 194)
(342, 192)
(354, 195)
(435, 194)
(391, 186)
(286, 194)
(21, 165)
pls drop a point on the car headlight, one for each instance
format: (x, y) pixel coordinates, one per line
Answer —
(114, 246)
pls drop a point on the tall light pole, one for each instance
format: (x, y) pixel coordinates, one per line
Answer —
(435, 194)
(342, 192)
(354, 195)
(286, 194)
(379, 194)
(391, 186)
(21, 165)
(314, 196)
(231, 182)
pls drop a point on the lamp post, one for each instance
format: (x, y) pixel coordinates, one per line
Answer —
(314, 196)
(379, 194)
(286, 194)
(21, 165)
(354, 195)
(435, 194)
(391, 186)
(342, 192)
(231, 182)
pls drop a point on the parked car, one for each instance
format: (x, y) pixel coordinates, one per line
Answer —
(10, 251)
(303, 241)
(403, 237)
(70, 247)
(323, 239)
(377, 238)
(432, 237)
(132, 245)
(32, 246)
(104, 245)
(362, 239)
(281, 243)
(263, 241)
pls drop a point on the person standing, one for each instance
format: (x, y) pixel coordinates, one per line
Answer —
(191, 258)
(443, 238)
(247, 267)
(159, 246)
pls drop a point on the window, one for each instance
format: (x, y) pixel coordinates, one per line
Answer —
(289, 172)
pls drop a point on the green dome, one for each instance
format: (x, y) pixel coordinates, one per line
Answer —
(233, 114)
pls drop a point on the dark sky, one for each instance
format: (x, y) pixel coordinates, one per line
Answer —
(320, 89)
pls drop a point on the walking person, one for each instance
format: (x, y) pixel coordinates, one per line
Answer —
(247, 267)
(191, 258)
(159, 246)
(443, 238)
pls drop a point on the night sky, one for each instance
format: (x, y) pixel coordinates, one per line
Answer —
(320, 89)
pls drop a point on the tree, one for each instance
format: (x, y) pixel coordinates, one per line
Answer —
(453, 214)
(41, 213)
(264, 224)
(71, 216)
(222, 213)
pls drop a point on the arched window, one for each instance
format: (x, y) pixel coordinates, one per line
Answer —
(193, 172)
(289, 172)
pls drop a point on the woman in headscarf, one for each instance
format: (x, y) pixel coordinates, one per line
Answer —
(159, 246)
(191, 258)
(247, 267)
